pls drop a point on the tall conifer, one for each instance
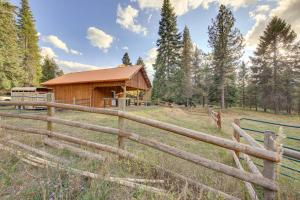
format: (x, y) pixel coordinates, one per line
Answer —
(226, 43)
(186, 67)
(31, 59)
(10, 55)
(276, 66)
(140, 62)
(126, 59)
(167, 64)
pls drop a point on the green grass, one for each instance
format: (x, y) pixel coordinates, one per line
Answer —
(20, 181)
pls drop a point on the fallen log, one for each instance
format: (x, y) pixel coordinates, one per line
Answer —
(37, 151)
(75, 150)
(39, 162)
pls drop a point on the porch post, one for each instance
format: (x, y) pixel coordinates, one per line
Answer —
(124, 97)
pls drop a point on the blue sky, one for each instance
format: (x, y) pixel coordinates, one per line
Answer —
(85, 34)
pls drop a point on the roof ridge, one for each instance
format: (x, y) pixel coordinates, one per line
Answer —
(107, 68)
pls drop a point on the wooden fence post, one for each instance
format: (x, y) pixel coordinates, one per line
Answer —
(121, 121)
(50, 111)
(121, 139)
(236, 134)
(219, 122)
(269, 170)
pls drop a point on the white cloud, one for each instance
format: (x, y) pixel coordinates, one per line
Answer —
(66, 66)
(150, 60)
(99, 38)
(126, 17)
(47, 51)
(183, 6)
(71, 66)
(125, 48)
(285, 9)
(237, 3)
(72, 51)
(58, 43)
(254, 33)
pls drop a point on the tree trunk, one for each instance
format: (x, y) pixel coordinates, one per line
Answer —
(222, 94)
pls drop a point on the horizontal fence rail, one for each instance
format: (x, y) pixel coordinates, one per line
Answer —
(254, 149)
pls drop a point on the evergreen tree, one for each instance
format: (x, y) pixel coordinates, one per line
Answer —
(167, 64)
(227, 44)
(276, 66)
(140, 62)
(10, 71)
(197, 74)
(50, 69)
(28, 39)
(201, 76)
(126, 59)
(186, 67)
(242, 83)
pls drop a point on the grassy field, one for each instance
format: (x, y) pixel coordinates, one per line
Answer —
(21, 181)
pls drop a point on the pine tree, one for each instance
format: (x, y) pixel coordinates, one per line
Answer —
(197, 74)
(275, 65)
(242, 83)
(201, 76)
(126, 59)
(10, 54)
(31, 59)
(227, 44)
(186, 67)
(50, 69)
(140, 62)
(167, 64)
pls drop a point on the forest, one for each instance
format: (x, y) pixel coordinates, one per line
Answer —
(270, 81)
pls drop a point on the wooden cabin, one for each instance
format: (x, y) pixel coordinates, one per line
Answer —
(99, 88)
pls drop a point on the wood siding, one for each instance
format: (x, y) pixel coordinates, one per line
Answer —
(96, 91)
(137, 82)
(66, 93)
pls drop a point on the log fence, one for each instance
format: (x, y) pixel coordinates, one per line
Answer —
(268, 154)
(269, 167)
(216, 116)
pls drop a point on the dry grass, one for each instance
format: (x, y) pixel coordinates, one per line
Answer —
(20, 181)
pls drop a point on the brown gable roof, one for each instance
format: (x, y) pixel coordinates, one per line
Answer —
(102, 75)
